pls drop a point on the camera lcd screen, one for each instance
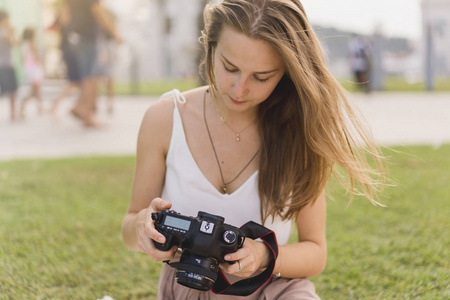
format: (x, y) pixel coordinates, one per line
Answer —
(177, 223)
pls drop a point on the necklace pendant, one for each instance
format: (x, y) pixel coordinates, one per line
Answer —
(238, 137)
(224, 189)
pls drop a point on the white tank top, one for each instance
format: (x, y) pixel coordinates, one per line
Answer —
(190, 191)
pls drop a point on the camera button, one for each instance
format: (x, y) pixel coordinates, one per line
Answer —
(229, 237)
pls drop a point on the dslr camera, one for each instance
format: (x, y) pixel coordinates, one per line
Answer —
(205, 240)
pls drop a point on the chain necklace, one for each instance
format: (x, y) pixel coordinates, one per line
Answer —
(224, 184)
(238, 133)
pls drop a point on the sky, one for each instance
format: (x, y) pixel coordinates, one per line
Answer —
(395, 18)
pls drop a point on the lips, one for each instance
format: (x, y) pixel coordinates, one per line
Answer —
(236, 101)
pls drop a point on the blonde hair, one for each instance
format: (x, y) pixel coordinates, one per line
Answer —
(307, 124)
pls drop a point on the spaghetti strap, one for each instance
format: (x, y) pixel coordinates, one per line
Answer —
(176, 96)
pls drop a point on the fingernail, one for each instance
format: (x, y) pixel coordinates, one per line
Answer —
(227, 257)
(161, 239)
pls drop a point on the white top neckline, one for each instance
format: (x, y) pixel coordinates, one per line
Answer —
(189, 191)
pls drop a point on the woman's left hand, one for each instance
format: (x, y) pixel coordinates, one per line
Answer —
(251, 257)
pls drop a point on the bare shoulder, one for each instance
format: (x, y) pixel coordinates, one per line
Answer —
(194, 101)
(156, 126)
(159, 111)
(195, 93)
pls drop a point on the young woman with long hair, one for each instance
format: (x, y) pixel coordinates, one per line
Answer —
(258, 143)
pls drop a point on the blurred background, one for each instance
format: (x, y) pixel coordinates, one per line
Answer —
(409, 39)
(389, 55)
(64, 188)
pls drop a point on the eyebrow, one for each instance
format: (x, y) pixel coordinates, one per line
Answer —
(230, 63)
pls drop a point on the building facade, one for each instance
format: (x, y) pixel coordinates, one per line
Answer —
(23, 14)
(436, 29)
(160, 38)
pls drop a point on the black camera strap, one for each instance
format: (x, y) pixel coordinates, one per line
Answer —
(248, 286)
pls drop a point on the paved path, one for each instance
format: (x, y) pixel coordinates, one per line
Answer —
(395, 118)
(407, 118)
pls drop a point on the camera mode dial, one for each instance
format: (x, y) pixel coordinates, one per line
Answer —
(229, 237)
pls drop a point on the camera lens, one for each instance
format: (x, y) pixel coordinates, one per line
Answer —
(197, 272)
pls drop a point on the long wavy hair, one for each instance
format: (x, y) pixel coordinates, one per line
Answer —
(307, 125)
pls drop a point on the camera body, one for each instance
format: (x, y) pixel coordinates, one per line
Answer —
(205, 240)
(206, 235)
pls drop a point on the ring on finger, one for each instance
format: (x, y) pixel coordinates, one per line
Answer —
(240, 267)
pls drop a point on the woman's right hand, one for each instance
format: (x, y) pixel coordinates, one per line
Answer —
(146, 231)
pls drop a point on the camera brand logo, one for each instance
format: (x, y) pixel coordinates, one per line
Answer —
(207, 227)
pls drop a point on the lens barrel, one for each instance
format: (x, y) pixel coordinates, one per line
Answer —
(197, 272)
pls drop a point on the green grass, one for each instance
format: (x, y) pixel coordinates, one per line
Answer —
(399, 84)
(158, 87)
(60, 233)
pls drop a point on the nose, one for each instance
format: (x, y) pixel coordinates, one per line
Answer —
(240, 87)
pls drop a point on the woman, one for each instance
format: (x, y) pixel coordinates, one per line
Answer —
(259, 143)
(69, 55)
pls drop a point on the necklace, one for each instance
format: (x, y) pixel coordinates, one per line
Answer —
(224, 184)
(238, 133)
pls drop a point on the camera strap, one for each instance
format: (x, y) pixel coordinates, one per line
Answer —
(248, 286)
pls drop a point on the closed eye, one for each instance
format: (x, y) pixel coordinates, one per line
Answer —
(262, 80)
(229, 70)
(234, 70)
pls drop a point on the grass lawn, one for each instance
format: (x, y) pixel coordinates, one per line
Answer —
(399, 84)
(60, 233)
(159, 87)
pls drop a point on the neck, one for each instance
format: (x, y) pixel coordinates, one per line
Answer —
(230, 116)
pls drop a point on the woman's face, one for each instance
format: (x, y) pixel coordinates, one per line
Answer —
(246, 70)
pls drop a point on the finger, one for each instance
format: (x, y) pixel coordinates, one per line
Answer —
(238, 255)
(236, 268)
(238, 265)
(226, 267)
(159, 204)
(158, 255)
(165, 255)
(146, 246)
(150, 231)
(144, 243)
(146, 227)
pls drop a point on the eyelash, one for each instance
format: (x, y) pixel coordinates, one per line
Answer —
(234, 71)
(262, 80)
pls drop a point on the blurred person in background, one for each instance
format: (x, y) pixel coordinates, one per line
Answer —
(8, 80)
(360, 55)
(107, 47)
(87, 17)
(34, 73)
(68, 41)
